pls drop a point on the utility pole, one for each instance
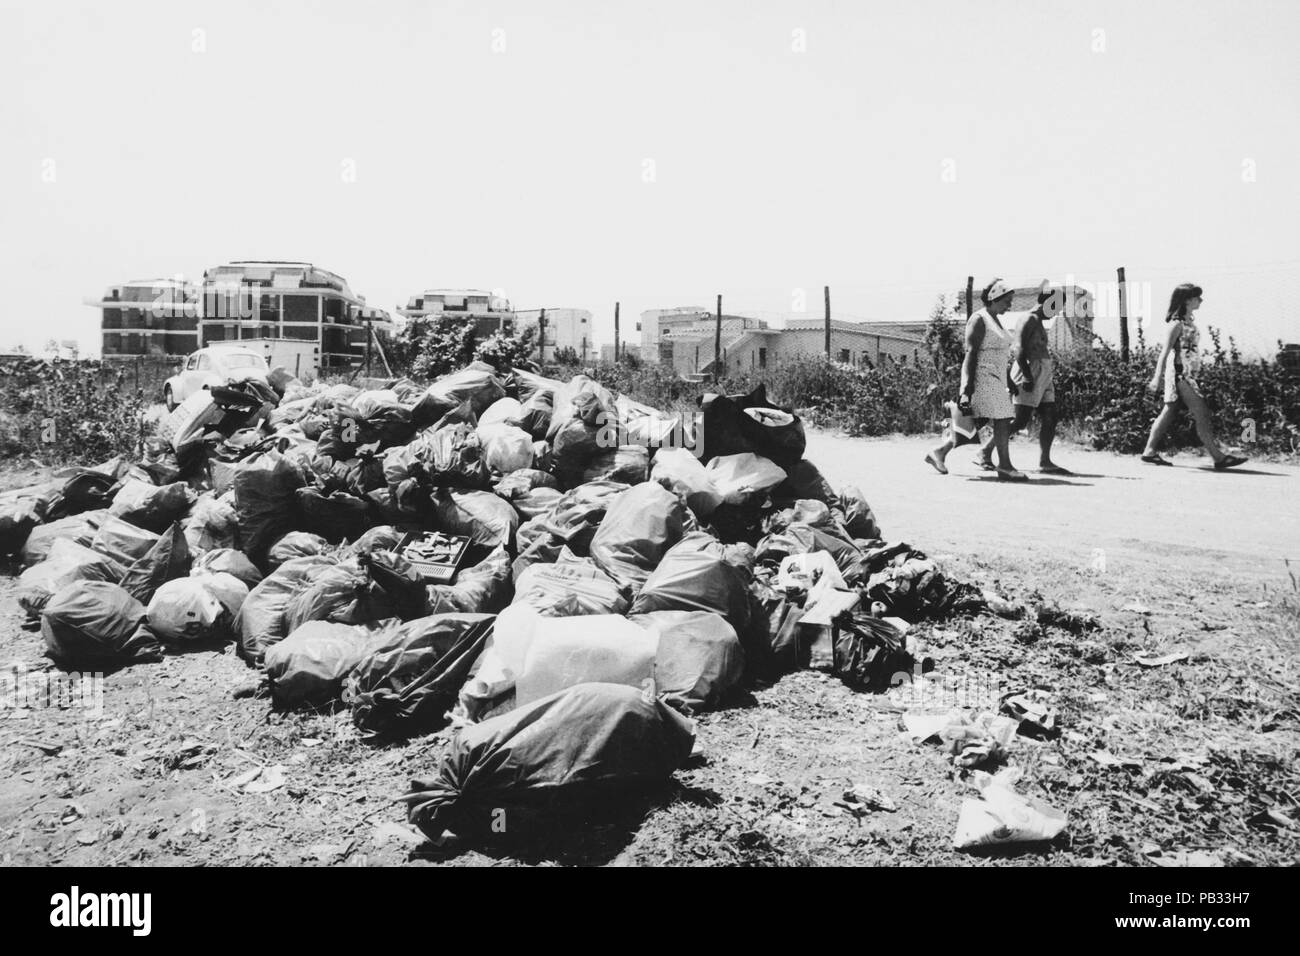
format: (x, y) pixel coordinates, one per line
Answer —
(1123, 315)
(717, 341)
(541, 336)
(826, 290)
(615, 331)
(970, 295)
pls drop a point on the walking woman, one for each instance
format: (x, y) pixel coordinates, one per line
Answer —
(1175, 373)
(984, 380)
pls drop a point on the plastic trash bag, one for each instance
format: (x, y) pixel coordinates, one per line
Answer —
(570, 589)
(573, 446)
(337, 593)
(477, 384)
(681, 472)
(310, 664)
(261, 620)
(523, 481)
(539, 501)
(211, 524)
(17, 519)
(805, 480)
(227, 589)
(79, 528)
(264, 498)
(504, 411)
(696, 575)
(150, 506)
(228, 561)
(295, 544)
(486, 519)
(626, 463)
(577, 515)
(859, 519)
(68, 563)
(448, 456)
(698, 658)
(379, 538)
(123, 541)
(869, 652)
(568, 746)
(740, 477)
(90, 625)
(506, 448)
(485, 588)
(604, 648)
(639, 527)
(186, 610)
(409, 678)
(536, 413)
(335, 516)
(732, 424)
(169, 558)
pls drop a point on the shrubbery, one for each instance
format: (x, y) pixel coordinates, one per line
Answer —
(70, 411)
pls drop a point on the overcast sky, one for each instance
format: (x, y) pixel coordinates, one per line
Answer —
(578, 153)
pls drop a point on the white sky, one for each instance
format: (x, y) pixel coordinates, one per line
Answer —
(523, 168)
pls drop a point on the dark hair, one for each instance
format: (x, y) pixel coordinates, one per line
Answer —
(984, 293)
(1045, 293)
(1178, 301)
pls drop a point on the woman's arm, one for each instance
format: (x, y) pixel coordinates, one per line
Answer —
(974, 339)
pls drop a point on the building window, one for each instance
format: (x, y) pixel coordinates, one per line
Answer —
(844, 356)
(762, 358)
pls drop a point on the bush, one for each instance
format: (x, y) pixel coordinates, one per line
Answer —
(71, 411)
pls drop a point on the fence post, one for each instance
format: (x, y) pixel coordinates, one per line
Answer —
(717, 341)
(615, 331)
(541, 337)
(1123, 314)
(826, 292)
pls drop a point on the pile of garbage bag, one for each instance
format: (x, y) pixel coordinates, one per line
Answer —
(608, 589)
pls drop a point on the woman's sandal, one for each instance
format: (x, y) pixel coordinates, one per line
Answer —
(979, 461)
(932, 459)
(1157, 460)
(1229, 461)
(1054, 470)
(1010, 474)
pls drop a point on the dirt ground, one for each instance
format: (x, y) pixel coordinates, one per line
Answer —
(1187, 761)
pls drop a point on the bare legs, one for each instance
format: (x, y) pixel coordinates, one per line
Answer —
(1200, 413)
(1046, 432)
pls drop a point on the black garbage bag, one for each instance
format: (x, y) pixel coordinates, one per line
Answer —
(868, 652)
(228, 561)
(535, 417)
(485, 588)
(338, 593)
(410, 676)
(521, 482)
(639, 527)
(151, 506)
(122, 541)
(336, 516)
(383, 537)
(295, 544)
(576, 516)
(629, 464)
(581, 743)
(699, 658)
(696, 575)
(264, 501)
(396, 587)
(569, 588)
(477, 383)
(308, 666)
(859, 519)
(168, 558)
(261, 618)
(524, 384)
(449, 456)
(805, 480)
(357, 475)
(804, 539)
(732, 424)
(485, 518)
(16, 523)
(95, 624)
(68, 563)
(90, 490)
(774, 644)
(573, 446)
(79, 528)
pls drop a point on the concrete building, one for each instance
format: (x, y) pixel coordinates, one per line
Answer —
(490, 313)
(684, 339)
(565, 329)
(294, 302)
(1071, 329)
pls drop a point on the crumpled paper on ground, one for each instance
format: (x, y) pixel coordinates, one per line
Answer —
(1001, 815)
(970, 740)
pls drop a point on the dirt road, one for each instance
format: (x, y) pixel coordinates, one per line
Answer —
(1115, 509)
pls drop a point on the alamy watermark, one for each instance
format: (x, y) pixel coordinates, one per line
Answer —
(22, 690)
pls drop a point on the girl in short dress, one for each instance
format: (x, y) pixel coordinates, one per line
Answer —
(984, 380)
(1175, 375)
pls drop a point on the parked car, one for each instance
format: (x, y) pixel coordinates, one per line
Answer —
(215, 365)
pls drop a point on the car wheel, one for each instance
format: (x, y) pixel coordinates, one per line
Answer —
(167, 398)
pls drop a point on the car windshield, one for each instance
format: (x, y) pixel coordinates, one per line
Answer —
(243, 361)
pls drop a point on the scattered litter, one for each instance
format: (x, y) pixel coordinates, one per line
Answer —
(267, 779)
(1136, 608)
(1172, 658)
(1033, 710)
(1001, 815)
(1107, 759)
